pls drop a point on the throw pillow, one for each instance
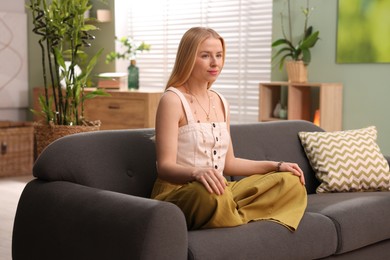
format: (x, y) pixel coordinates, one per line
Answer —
(347, 160)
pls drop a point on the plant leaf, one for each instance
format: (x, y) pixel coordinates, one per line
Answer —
(88, 27)
(281, 41)
(95, 93)
(286, 49)
(310, 41)
(281, 64)
(59, 58)
(93, 62)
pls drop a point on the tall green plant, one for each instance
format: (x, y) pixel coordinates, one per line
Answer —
(63, 35)
(296, 50)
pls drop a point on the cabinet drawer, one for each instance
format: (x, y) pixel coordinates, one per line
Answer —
(120, 110)
(116, 113)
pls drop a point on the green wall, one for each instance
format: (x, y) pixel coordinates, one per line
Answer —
(366, 89)
(366, 86)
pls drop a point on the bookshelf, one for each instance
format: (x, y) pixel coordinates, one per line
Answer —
(303, 100)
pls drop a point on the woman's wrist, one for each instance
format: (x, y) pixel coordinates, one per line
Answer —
(193, 174)
(278, 166)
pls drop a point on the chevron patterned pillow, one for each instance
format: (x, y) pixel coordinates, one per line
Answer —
(347, 160)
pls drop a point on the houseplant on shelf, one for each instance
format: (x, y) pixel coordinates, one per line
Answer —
(295, 53)
(63, 33)
(130, 49)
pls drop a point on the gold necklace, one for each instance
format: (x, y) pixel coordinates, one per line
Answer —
(204, 110)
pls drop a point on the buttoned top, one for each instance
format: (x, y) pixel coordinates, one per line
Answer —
(202, 145)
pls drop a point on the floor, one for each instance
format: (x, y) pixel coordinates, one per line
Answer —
(10, 190)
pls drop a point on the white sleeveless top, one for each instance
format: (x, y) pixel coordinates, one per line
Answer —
(202, 145)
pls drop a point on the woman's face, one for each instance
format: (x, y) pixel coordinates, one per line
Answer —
(209, 60)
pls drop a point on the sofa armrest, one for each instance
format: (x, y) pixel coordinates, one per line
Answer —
(64, 220)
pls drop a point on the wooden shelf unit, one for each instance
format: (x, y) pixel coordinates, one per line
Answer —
(122, 110)
(302, 101)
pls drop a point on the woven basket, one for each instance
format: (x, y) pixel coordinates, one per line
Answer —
(16, 148)
(46, 134)
(296, 71)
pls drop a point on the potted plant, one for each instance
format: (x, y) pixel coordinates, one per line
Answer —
(296, 51)
(130, 49)
(64, 33)
(103, 13)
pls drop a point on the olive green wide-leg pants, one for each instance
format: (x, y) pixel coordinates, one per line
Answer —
(278, 197)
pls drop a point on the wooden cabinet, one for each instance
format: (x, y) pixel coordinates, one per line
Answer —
(120, 110)
(303, 100)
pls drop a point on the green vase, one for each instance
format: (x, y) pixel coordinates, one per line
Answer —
(133, 76)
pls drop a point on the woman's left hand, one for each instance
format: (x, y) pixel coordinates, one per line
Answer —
(294, 169)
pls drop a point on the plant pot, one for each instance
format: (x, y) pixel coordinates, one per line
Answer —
(45, 134)
(296, 71)
(103, 15)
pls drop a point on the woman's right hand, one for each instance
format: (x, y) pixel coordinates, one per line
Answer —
(211, 179)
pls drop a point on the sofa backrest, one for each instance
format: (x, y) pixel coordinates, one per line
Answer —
(124, 160)
(275, 141)
(117, 160)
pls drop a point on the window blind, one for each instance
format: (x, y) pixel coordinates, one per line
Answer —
(246, 26)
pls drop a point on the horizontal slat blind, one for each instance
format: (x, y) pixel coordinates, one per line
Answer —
(246, 26)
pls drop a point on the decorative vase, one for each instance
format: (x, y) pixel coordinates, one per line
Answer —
(276, 111)
(133, 76)
(45, 134)
(103, 15)
(296, 71)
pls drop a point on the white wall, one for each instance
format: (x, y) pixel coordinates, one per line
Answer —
(13, 61)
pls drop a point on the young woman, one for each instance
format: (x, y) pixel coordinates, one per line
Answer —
(194, 150)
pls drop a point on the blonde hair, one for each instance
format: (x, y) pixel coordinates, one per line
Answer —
(186, 54)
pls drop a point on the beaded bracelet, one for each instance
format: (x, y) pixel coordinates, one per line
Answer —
(278, 166)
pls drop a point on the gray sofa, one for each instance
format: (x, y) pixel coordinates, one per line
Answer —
(90, 201)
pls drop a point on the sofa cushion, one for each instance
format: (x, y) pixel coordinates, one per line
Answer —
(315, 237)
(347, 160)
(361, 218)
